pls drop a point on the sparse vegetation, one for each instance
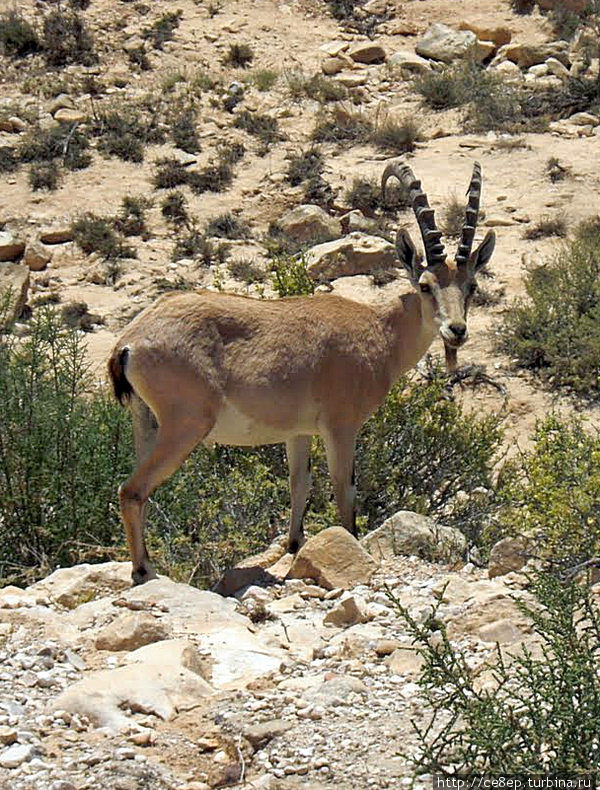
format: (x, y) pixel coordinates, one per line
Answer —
(263, 79)
(131, 221)
(64, 144)
(246, 270)
(397, 136)
(453, 216)
(9, 161)
(227, 226)
(239, 55)
(319, 192)
(97, 234)
(365, 195)
(290, 277)
(125, 130)
(174, 208)
(317, 87)
(555, 170)
(215, 177)
(547, 226)
(262, 126)
(44, 176)
(77, 316)
(522, 6)
(302, 167)
(66, 39)
(536, 710)
(555, 331)
(185, 134)
(163, 29)
(17, 36)
(342, 125)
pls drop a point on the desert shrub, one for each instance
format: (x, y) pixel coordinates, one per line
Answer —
(547, 226)
(540, 713)
(227, 226)
(65, 447)
(185, 134)
(61, 142)
(452, 86)
(555, 170)
(306, 165)
(139, 57)
(124, 131)
(259, 125)
(97, 234)
(44, 176)
(230, 152)
(246, 270)
(9, 161)
(66, 39)
(522, 6)
(397, 136)
(365, 194)
(131, 220)
(319, 192)
(342, 125)
(216, 176)
(453, 216)
(239, 55)
(555, 330)
(263, 79)
(552, 494)
(203, 82)
(174, 208)
(419, 450)
(163, 29)
(195, 244)
(289, 276)
(317, 87)
(17, 36)
(77, 316)
(170, 173)
(351, 15)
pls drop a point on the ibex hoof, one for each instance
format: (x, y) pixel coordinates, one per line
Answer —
(143, 574)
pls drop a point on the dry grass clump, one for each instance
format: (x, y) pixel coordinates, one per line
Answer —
(546, 227)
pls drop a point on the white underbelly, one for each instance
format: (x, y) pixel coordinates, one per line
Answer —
(234, 427)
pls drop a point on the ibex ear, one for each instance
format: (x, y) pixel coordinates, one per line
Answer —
(483, 253)
(407, 255)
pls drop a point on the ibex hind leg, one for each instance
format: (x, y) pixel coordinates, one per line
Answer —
(340, 445)
(175, 440)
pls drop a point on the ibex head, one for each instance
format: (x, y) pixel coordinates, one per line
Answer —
(445, 287)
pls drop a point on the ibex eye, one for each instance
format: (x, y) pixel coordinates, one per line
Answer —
(425, 289)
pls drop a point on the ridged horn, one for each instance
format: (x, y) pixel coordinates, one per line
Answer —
(472, 213)
(432, 237)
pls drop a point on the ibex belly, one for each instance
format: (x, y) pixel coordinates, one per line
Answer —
(236, 427)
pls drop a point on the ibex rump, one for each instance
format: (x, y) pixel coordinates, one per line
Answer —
(211, 367)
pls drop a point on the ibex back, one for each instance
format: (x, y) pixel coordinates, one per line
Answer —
(211, 367)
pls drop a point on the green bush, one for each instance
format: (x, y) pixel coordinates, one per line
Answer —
(552, 495)
(555, 332)
(64, 448)
(17, 36)
(543, 713)
(290, 277)
(66, 39)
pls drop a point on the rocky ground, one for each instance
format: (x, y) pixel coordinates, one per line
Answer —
(302, 682)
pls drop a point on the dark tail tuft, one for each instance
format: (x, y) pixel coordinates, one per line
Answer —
(116, 370)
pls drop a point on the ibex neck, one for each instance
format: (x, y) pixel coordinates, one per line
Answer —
(409, 331)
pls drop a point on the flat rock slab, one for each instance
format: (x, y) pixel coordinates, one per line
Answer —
(412, 534)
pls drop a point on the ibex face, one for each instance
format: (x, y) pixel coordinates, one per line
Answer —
(445, 287)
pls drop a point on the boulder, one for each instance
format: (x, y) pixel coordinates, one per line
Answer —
(333, 66)
(129, 631)
(443, 43)
(558, 69)
(14, 287)
(333, 558)
(36, 257)
(11, 247)
(526, 55)
(60, 102)
(406, 660)
(261, 733)
(509, 71)
(412, 534)
(409, 62)
(349, 610)
(367, 52)
(73, 586)
(356, 253)
(308, 223)
(506, 555)
(498, 35)
(496, 619)
(584, 119)
(58, 234)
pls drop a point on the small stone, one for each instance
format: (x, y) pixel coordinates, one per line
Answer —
(506, 555)
(333, 66)
(8, 735)
(130, 631)
(333, 558)
(263, 732)
(37, 257)
(60, 102)
(310, 223)
(385, 647)
(11, 247)
(443, 43)
(145, 738)
(16, 755)
(69, 116)
(14, 280)
(584, 119)
(349, 611)
(57, 235)
(18, 124)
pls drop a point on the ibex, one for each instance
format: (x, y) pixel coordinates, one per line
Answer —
(213, 367)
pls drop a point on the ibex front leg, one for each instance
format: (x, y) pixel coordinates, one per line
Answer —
(298, 454)
(340, 445)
